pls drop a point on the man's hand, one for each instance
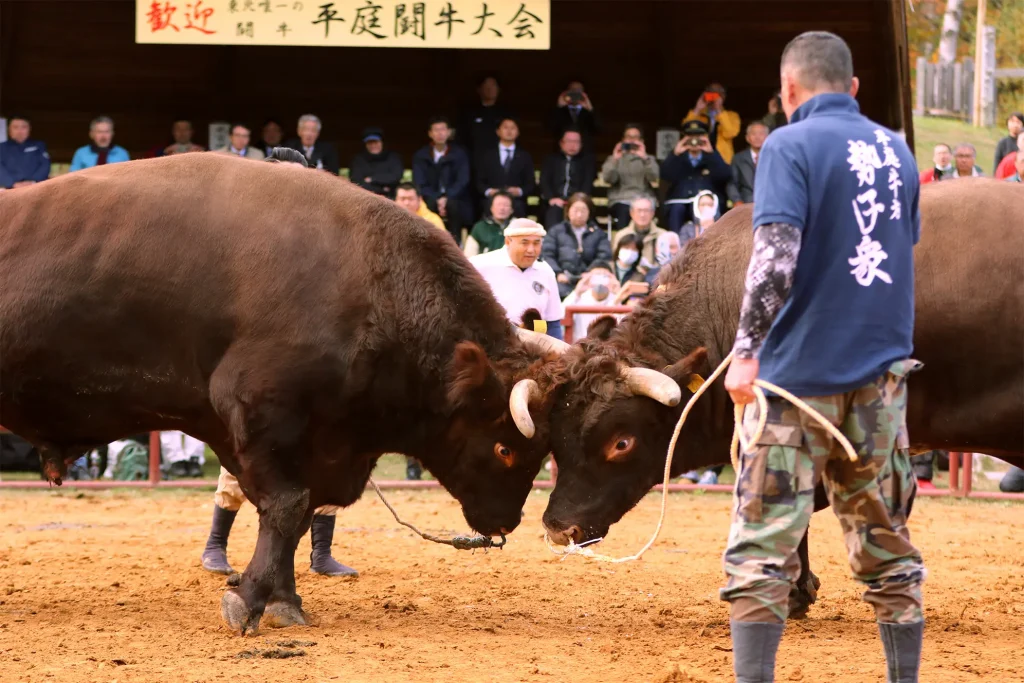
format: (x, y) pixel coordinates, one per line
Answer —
(705, 144)
(586, 103)
(563, 99)
(641, 150)
(563, 278)
(701, 105)
(515, 191)
(680, 147)
(367, 180)
(617, 151)
(557, 201)
(739, 381)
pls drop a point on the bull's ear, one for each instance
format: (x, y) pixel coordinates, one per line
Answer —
(473, 385)
(690, 372)
(601, 328)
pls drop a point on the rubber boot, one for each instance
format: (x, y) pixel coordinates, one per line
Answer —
(413, 469)
(902, 643)
(215, 555)
(754, 645)
(320, 561)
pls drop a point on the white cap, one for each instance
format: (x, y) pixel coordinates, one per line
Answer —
(524, 226)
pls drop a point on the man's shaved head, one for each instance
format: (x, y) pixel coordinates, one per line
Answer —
(820, 61)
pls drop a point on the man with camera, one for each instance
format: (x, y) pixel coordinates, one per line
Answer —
(693, 166)
(630, 173)
(574, 110)
(723, 125)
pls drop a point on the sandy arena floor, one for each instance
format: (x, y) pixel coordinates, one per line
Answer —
(105, 586)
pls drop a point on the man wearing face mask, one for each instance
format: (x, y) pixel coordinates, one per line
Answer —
(706, 215)
(665, 249)
(942, 157)
(597, 287)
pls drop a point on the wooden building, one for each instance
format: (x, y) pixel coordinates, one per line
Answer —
(63, 62)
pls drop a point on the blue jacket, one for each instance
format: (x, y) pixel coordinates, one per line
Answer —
(449, 177)
(85, 157)
(27, 160)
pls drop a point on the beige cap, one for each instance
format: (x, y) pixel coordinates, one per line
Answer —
(524, 226)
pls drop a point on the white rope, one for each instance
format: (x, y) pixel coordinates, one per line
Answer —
(738, 440)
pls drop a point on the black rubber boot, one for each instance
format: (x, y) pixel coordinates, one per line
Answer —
(902, 643)
(754, 645)
(413, 469)
(1012, 481)
(320, 561)
(215, 555)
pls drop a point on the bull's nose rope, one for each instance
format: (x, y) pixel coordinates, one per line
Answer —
(457, 542)
(738, 441)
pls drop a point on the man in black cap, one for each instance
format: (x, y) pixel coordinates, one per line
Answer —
(694, 165)
(376, 170)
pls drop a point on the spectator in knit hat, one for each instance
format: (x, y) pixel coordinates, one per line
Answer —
(376, 169)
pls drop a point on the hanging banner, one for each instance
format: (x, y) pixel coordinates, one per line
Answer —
(495, 24)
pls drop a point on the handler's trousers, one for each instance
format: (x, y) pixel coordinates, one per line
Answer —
(229, 495)
(872, 498)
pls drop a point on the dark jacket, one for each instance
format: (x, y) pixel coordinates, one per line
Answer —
(28, 160)
(490, 173)
(324, 155)
(685, 180)
(587, 122)
(1007, 145)
(449, 177)
(581, 172)
(477, 127)
(566, 255)
(384, 171)
(741, 187)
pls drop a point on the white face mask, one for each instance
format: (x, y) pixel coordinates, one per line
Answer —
(707, 213)
(628, 257)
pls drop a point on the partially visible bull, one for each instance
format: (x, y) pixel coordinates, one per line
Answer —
(613, 400)
(297, 324)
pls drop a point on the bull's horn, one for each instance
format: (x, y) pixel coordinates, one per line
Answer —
(547, 342)
(519, 405)
(657, 385)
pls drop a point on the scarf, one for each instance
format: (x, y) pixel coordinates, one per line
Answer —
(101, 153)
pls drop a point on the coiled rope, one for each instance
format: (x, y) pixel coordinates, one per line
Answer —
(738, 441)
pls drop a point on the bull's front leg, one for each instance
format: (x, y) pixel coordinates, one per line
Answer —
(284, 607)
(805, 592)
(271, 572)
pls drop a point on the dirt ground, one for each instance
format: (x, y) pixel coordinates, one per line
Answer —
(106, 586)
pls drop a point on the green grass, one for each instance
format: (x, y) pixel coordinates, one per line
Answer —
(930, 131)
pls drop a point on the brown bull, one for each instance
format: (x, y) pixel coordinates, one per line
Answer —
(297, 324)
(610, 438)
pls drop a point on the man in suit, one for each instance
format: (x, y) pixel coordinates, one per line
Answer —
(506, 168)
(319, 155)
(239, 144)
(563, 175)
(574, 110)
(741, 188)
(441, 173)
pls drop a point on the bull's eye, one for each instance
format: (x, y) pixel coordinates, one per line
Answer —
(505, 454)
(619, 448)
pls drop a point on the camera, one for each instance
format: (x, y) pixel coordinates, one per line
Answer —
(692, 142)
(574, 96)
(628, 147)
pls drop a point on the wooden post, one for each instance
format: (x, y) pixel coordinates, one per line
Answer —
(154, 458)
(954, 473)
(979, 63)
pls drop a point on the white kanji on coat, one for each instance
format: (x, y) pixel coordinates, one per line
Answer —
(865, 264)
(863, 161)
(873, 208)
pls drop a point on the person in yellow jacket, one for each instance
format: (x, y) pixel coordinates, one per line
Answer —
(408, 197)
(723, 124)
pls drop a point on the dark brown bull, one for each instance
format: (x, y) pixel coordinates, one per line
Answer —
(297, 324)
(610, 438)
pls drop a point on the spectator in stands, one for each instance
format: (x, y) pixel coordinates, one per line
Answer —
(375, 169)
(441, 172)
(693, 166)
(776, 117)
(408, 197)
(270, 136)
(518, 279)
(964, 162)
(5, 179)
(24, 159)
(643, 227)
(489, 232)
(596, 287)
(478, 125)
(574, 111)
(740, 189)
(707, 211)
(507, 168)
(628, 271)
(722, 125)
(665, 249)
(574, 244)
(563, 175)
(631, 172)
(1005, 169)
(1018, 167)
(942, 165)
(319, 154)
(238, 144)
(181, 132)
(101, 150)
(1008, 145)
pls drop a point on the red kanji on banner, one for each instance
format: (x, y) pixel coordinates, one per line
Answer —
(200, 14)
(159, 18)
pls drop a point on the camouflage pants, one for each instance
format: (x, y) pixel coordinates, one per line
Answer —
(229, 495)
(774, 499)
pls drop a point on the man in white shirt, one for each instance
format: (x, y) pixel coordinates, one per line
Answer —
(519, 281)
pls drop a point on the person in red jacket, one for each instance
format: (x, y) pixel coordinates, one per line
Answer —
(942, 168)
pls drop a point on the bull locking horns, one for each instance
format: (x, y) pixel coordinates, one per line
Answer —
(519, 405)
(547, 342)
(654, 384)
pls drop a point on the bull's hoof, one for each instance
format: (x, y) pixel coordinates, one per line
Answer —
(237, 615)
(801, 597)
(283, 614)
